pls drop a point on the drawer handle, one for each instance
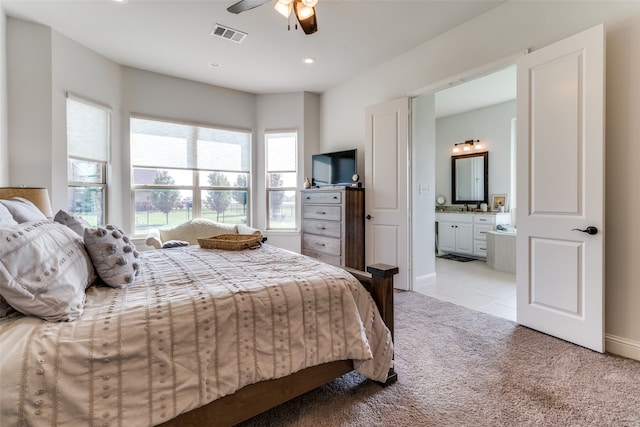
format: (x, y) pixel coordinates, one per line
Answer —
(321, 244)
(483, 232)
(308, 197)
(321, 212)
(321, 228)
(335, 197)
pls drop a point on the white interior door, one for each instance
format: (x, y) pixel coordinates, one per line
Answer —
(386, 183)
(560, 183)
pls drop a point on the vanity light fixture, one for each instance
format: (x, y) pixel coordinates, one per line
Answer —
(467, 146)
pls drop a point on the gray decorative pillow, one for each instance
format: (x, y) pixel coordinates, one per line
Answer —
(114, 255)
(44, 270)
(23, 210)
(6, 219)
(174, 244)
(74, 222)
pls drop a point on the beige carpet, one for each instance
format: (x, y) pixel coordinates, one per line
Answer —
(459, 367)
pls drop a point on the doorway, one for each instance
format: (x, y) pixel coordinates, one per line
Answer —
(483, 109)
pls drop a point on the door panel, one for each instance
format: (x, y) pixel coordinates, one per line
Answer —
(387, 186)
(560, 164)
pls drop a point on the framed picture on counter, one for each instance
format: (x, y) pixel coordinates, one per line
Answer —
(499, 202)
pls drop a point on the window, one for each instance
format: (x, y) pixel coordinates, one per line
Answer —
(182, 171)
(87, 156)
(281, 179)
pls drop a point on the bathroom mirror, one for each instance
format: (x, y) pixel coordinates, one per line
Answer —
(470, 178)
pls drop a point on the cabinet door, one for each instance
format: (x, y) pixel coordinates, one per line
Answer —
(447, 236)
(464, 238)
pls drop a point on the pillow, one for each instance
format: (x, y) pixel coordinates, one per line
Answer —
(174, 244)
(74, 222)
(6, 219)
(44, 270)
(245, 229)
(23, 210)
(195, 229)
(113, 254)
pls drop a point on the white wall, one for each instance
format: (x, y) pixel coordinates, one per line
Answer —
(423, 145)
(501, 32)
(292, 111)
(4, 144)
(492, 126)
(56, 65)
(29, 74)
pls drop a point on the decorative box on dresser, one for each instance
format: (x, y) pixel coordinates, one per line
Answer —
(333, 225)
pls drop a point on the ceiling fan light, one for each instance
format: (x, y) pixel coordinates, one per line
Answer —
(303, 12)
(310, 3)
(284, 8)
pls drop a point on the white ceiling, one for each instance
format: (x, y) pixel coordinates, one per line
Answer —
(173, 37)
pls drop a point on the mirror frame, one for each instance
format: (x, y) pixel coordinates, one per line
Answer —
(485, 155)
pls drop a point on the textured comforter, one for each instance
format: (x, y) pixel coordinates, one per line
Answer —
(196, 325)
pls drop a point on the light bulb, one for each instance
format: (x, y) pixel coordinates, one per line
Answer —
(310, 3)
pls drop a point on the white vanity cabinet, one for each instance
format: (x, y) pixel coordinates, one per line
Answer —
(455, 233)
(466, 232)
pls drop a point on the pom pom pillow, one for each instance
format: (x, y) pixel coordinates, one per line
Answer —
(114, 255)
(44, 270)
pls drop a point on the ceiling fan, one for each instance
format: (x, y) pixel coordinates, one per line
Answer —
(304, 10)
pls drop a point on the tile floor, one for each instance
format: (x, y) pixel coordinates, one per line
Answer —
(474, 285)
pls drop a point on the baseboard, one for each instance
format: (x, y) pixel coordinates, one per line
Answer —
(424, 281)
(622, 346)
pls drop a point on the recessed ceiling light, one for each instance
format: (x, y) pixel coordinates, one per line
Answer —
(214, 64)
(121, 1)
(308, 60)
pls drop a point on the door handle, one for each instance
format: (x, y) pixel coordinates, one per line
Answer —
(589, 230)
(368, 217)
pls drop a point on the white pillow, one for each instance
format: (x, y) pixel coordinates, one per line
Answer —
(6, 219)
(113, 254)
(23, 210)
(195, 229)
(44, 270)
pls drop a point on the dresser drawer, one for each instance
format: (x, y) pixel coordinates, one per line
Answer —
(322, 197)
(480, 231)
(327, 245)
(332, 213)
(329, 259)
(325, 228)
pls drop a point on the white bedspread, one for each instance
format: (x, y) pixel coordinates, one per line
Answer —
(197, 325)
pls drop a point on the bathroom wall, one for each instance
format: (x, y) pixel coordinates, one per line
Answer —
(492, 126)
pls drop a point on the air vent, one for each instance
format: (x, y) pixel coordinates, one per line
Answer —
(228, 33)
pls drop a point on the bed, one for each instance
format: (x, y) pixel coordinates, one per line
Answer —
(200, 337)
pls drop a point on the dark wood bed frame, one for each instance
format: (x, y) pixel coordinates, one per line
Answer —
(256, 398)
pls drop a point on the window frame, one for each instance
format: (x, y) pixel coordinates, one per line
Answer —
(102, 164)
(268, 189)
(196, 187)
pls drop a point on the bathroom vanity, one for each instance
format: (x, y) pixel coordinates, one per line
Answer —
(465, 233)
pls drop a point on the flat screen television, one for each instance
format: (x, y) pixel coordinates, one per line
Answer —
(334, 168)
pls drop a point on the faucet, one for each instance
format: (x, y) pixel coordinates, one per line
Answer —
(466, 206)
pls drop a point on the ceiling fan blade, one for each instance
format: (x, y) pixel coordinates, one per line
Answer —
(244, 5)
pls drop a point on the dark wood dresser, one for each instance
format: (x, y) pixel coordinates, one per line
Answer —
(333, 225)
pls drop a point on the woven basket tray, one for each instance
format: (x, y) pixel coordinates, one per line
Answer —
(232, 242)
